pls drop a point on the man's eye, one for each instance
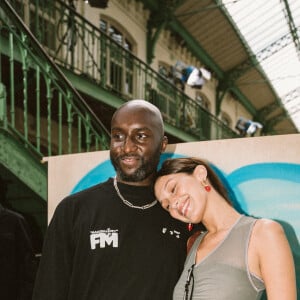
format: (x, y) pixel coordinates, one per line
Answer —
(141, 136)
(117, 136)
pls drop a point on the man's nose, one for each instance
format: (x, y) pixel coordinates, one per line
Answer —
(129, 145)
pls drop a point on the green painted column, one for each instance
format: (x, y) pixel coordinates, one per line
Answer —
(3, 118)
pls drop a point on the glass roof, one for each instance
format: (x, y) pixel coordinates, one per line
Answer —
(272, 31)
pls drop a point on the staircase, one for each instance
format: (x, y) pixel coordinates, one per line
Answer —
(108, 74)
(41, 114)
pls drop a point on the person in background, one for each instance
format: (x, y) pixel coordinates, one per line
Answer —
(17, 260)
(238, 256)
(113, 240)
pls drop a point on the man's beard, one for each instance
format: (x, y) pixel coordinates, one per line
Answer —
(145, 170)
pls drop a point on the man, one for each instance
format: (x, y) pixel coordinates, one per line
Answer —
(17, 261)
(113, 241)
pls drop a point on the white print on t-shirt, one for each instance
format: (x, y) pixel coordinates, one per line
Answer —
(103, 238)
(171, 232)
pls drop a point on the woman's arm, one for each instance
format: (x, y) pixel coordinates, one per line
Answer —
(275, 261)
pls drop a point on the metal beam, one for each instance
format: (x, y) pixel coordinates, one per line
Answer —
(266, 110)
(244, 100)
(255, 59)
(271, 123)
(292, 26)
(294, 94)
(196, 49)
(152, 38)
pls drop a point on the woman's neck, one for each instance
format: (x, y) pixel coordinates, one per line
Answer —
(219, 216)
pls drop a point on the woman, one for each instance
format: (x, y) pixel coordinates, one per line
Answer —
(238, 257)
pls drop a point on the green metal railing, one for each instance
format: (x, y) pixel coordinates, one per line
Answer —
(39, 106)
(76, 44)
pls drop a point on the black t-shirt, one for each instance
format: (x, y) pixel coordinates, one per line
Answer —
(96, 247)
(17, 261)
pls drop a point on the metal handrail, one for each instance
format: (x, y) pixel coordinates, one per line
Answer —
(56, 107)
(83, 48)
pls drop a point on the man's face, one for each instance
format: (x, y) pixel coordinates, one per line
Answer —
(136, 144)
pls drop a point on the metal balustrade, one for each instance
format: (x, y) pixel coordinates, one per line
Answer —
(78, 45)
(39, 106)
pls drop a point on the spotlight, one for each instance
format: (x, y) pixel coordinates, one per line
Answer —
(247, 127)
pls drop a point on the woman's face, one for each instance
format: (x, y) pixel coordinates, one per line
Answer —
(182, 196)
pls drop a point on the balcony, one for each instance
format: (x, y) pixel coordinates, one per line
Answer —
(84, 52)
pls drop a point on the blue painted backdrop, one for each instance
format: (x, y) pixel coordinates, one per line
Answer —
(270, 190)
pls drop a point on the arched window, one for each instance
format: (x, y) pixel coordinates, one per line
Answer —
(119, 64)
(117, 34)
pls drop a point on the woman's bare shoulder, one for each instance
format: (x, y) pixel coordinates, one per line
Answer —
(268, 231)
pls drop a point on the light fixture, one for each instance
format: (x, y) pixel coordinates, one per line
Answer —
(247, 127)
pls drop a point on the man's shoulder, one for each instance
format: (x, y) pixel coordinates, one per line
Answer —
(83, 201)
(11, 215)
(89, 194)
(97, 188)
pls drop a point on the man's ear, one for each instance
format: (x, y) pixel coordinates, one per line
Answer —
(164, 144)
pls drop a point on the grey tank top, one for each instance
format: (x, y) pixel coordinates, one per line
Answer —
(223, 274)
